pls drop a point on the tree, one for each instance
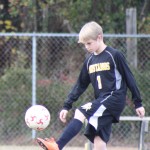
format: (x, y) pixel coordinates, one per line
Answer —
(69, 15)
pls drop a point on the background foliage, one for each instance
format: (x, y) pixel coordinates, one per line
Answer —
(70, 15)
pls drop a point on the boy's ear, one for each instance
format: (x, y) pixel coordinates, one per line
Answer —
(99, 37)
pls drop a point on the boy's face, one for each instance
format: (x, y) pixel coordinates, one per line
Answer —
(92, 45)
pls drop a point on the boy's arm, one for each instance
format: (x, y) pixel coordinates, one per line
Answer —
(80, 86)
(129, 78)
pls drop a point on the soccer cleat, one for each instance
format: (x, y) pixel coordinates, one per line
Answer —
(47, 144)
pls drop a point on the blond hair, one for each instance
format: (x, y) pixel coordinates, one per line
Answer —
(90, 30)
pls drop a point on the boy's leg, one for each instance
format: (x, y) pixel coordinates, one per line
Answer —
(100, 135)
(72, 129)
(69, 132)
(99, 144)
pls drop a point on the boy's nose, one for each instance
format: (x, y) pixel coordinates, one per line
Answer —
(86, 46)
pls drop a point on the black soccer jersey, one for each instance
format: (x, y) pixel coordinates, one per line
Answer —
(109, 74)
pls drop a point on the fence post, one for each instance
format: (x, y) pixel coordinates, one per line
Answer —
(88, 144)
(144, 128)
(131, 28)
(33, 76)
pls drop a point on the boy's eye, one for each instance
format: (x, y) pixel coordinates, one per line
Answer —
(88, 43)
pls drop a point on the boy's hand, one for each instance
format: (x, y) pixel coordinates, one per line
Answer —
(63, 115)
(140, 112)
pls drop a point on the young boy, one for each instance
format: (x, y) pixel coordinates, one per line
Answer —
(107, 70)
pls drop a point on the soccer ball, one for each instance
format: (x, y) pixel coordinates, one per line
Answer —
(37, 117)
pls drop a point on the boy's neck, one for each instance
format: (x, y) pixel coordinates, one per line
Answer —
(101, 49)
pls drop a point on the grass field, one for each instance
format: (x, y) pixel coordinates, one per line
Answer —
(67, 148)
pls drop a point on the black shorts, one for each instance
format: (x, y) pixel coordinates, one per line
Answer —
(99, 120)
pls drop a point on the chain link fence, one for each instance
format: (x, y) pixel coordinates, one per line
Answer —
(42, 68)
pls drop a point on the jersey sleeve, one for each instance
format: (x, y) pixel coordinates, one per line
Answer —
(129, 78)
(81, 85)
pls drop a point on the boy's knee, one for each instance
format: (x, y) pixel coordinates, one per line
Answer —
(79, 115)
(99, 144)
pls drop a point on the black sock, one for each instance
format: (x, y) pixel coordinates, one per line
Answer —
(69, 132)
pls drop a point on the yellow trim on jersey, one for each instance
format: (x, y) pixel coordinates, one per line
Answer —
(99, 67)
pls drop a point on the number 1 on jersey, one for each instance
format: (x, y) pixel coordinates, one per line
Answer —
(99, 82)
